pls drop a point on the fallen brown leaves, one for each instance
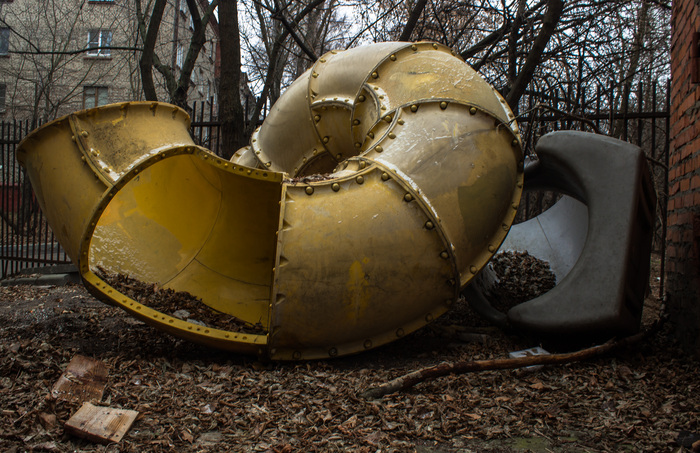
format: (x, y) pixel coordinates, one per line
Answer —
(177, 303)
(193, 399)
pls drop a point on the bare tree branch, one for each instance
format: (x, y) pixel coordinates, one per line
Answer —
(412, 20)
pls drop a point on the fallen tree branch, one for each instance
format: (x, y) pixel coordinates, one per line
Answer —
(443, 369)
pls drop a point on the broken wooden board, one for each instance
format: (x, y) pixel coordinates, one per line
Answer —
(83, 380)
(101, 424)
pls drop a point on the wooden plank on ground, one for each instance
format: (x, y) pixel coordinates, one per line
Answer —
(101, 424)
(83, 380)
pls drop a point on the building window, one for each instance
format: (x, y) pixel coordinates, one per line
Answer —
(4, 41)
(99, 42)
(3, 91)
(179, 60)
(95, 97)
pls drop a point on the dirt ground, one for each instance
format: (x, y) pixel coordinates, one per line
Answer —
(194, 399)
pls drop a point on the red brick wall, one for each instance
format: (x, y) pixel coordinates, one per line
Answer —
(683, 237)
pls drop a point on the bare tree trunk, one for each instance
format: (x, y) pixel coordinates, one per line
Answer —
(146, 61)
(534, 57)
(233, 134)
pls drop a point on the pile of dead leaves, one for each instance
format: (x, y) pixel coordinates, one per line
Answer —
(180, 304)
(520, 277)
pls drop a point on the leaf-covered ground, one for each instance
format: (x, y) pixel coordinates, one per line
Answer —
(192, 399)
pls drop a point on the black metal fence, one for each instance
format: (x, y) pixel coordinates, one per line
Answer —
(636, 114)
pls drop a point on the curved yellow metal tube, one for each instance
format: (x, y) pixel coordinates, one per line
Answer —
(382, 181)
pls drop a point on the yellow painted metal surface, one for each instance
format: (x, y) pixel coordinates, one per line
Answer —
(382, 181)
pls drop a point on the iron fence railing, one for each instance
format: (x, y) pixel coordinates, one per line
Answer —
(636, 114)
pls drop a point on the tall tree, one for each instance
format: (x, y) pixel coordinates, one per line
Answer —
(177, 83)
(231, 115)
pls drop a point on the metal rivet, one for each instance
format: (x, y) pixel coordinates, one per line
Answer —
(492, 248)
(72, 137)
(326, 139)
(360, 179)
(338, 156)
(444, 255)
(401, 122)
(443, 105)
(515, 206)
(368, 344)
(429, 225)
(505, 227)
(473, 110)
(257, 152)
(392, 57)
(356, 122)
(435, 46)
(370, 135)
(358, 145)
(335, 187)
(322, 60)
(385, 176)
(414, 108)
(451, 282)
(392, 135)
(363, 164)
(314, 75)
(429, 317)
(514, 142)
(378, 149)
(296, 355)
(473, 269)
(361, 98)
(84, 133)
(399, 332)
(268, 164)
(414, 47)
(375, 75)
(408, 197)
(387, 118)
(332, 352)
(317, 118)
(309, 190)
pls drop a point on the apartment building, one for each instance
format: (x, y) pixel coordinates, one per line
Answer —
(59, 56)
